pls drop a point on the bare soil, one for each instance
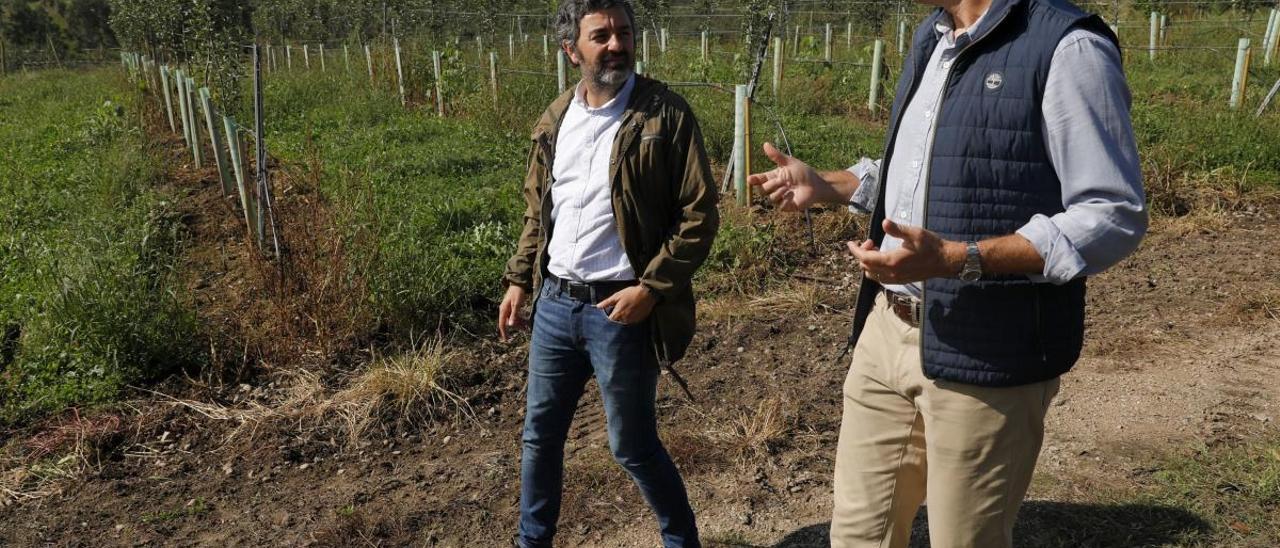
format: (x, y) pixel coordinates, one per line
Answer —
(1181, 352)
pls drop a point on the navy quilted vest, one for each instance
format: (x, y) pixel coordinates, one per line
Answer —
(990, 173)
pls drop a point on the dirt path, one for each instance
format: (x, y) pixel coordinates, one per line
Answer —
(1181, 351)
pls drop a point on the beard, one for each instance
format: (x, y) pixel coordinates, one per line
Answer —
(610, 71)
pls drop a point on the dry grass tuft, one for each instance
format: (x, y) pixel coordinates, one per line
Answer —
(796, 298)
(755, 432)
(41, 465)
(407, 388)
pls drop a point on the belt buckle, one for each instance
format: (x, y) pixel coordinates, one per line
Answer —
(579, 291)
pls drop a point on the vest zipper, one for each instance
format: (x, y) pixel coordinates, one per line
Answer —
(933, 132)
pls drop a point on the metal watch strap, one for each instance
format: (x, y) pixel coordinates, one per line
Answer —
(972, 269)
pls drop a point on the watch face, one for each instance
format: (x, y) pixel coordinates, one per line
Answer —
(970, 275)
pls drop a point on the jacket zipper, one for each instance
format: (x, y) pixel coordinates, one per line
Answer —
(933, 132)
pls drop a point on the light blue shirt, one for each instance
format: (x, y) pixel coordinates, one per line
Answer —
(1090, 142)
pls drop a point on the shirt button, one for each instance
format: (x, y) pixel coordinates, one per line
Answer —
(946, 64)
(928, 114)
(915, 165)
(902, 215)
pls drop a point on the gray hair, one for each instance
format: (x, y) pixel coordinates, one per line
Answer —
(569, 16)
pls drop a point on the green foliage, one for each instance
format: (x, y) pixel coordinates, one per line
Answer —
(88, 299)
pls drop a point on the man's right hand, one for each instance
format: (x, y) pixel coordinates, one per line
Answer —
(509, 310)
(793, 185)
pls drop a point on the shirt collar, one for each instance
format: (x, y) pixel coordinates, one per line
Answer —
(618, 102)
(945, 27)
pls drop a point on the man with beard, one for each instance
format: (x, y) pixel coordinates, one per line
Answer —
(621, 210)
(1010, 174)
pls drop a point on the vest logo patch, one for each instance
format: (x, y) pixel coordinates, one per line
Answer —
(995, 81)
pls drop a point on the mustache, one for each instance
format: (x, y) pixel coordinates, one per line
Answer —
(619, 57)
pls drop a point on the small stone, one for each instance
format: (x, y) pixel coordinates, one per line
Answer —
(119, 527)
(341, 470)
(796, 488)
(741, 349)
(446, 439)
(304, 466)
(746, 518)
(813, 328)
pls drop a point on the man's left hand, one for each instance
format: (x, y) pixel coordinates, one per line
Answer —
(630, 306)
(923, 255)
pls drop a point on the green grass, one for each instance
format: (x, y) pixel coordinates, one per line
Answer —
(1224, 495)
(88, 302)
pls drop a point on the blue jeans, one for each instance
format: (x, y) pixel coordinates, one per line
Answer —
(571, 341)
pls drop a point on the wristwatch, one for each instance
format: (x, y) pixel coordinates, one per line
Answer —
(972, 269)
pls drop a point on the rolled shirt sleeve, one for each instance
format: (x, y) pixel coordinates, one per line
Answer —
(1089, 137)
(864, 197)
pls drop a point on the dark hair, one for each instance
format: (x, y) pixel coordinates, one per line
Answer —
(569, 16)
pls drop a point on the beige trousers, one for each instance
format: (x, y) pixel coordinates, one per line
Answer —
(972, 449)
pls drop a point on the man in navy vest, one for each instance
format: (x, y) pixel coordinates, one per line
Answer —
(1010, 174)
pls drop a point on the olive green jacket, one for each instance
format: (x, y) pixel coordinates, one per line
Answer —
(664, 203)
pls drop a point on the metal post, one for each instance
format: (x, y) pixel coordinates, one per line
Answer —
(399, 73)
(560, 71)
(206, 104)
(1241, 78)
(435, 67)
(264, 181)
(877, 57)
(740, 144)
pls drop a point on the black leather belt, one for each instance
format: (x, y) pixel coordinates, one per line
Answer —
(587, 292)
(905, 307)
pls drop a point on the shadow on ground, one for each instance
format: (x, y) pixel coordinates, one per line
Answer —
(1044, 524)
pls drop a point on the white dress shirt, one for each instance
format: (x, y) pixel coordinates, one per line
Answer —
(1090, 142)
(584, 245)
